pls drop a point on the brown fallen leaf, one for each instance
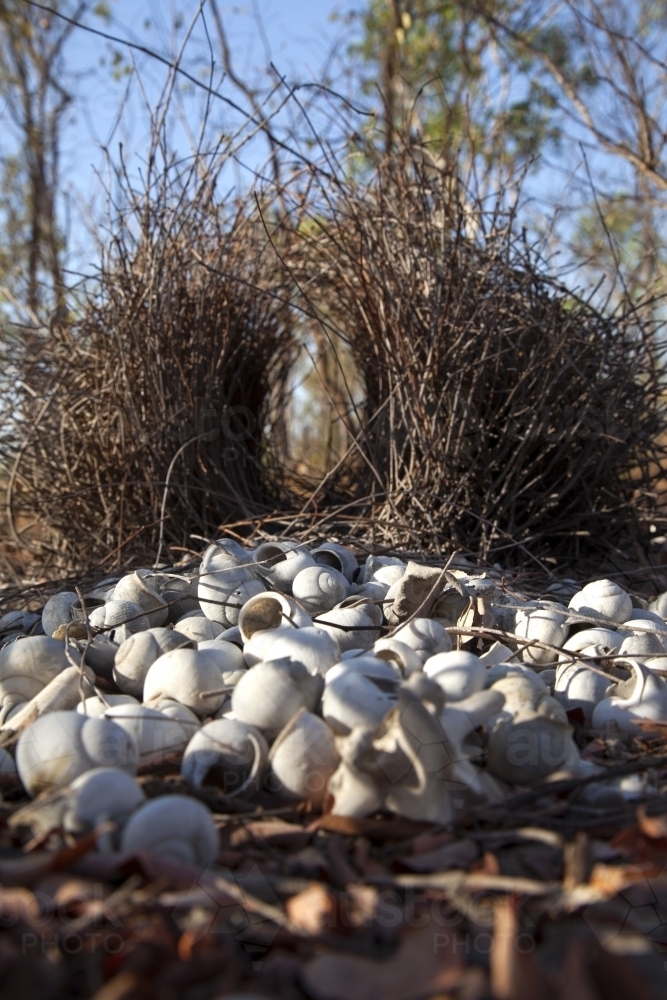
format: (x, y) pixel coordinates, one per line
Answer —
(425, 965)
(611, 879)
(313, 910)
(459, 855)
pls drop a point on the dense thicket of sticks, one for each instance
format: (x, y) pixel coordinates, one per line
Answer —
(502, 411)
(168, 379)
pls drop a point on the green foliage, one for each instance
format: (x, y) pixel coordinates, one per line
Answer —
(455, 85)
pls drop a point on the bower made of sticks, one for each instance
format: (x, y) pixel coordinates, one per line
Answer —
(502, 412)
(163, 389)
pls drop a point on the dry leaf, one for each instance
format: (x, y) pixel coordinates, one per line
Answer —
(313, 910)
(424, 965)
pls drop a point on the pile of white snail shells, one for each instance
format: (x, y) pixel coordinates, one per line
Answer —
(275, 669)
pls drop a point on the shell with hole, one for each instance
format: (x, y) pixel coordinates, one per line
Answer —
(270, 611)
(395, 765)
(546, 623)
(227, 754)
(227, 579)
(98, 796)
(355, 623)
(315, 648)
(405, 656)
(176, 827)
(189, 677)
(26, 667)
(642, 696)
(269, 694)
(353, 699)
(319, 589)
(141, 588)
(60, 746)
(426, 636)
(458, 673)
(280, 562)
(303, 758)
(603, 599)
(135, 656)
(337, 557)
(160, 738)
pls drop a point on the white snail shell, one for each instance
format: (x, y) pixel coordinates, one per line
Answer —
(578, 687)
(545, 622)
(388, 575)
(105, 793)
(386, 674)
(135, 656)
(227, 657)
(352, 700)
(374, 563)
(269, 694)
(270, 611)
(226, 577)
(57, 611)
(522, 688)
(158, 736)
(304, 757)
(312, 646)
(140, 587)
(337, 557)
(458, 673)
(408, 659)
(529, 748)
(659, 605)
(233, 753)
(179, 594)
(318, 589)
(592, 637)
(373, 590)
(198, 628)
(361, 621)
(117, 613)
(603, 599)
(188, 677)
(175, 827)
(95, 708)
(26, 667)
(60, 746)
(280, 562)
(642, 644)
(643, 696)
(425, 636)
